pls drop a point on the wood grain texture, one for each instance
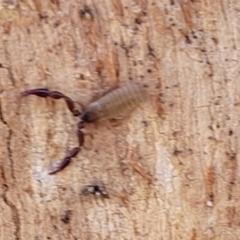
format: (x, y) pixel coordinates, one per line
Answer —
(186, 137)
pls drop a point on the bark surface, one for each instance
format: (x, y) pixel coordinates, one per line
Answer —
(170, 168)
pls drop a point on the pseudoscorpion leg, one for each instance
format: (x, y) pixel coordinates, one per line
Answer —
(44, 92)
(73, 153)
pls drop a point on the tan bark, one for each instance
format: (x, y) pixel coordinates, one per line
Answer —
(187, 140)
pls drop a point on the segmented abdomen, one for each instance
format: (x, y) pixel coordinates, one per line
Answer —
(122, 100)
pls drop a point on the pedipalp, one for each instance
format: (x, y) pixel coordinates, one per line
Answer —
(73, 153)
(44, 92)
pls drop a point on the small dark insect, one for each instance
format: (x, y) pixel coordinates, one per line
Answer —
(98, 190)
(86, 12)
(110, 106)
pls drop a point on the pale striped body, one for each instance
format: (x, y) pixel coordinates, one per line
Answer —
(116, 103)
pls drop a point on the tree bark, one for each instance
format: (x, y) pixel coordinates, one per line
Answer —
(170, 168)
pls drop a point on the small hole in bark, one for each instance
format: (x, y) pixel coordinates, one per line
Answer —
(187, 40)
(138, 21)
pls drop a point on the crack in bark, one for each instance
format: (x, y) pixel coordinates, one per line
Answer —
(14, 210)
(8, 141)
(11, 76)
(15, 213)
